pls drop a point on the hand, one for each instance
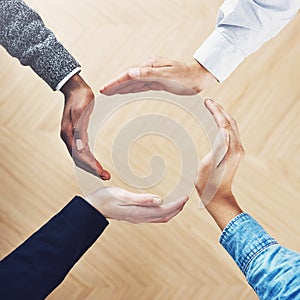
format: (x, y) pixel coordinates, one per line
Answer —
(218, 168)
(160, 73)
(79, 103)
(119, 204)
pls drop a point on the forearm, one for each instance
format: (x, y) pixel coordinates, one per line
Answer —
(271, 270)
(24, 35)
(38, 265)
(223, 210)
(242, 28)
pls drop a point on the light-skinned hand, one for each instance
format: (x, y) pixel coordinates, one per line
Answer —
(119, 204)
(159, 73)
(79, 103)
(218, 168)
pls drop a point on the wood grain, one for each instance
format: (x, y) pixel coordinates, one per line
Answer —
(181, 259)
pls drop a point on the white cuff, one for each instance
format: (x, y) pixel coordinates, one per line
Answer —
(61, 83)
(219, 56)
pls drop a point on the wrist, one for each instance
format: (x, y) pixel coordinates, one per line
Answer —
(96, 203)
(223, 209)
(74, 84)
(202, 77)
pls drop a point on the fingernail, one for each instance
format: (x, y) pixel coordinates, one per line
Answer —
(209, 101)
(105, 175)
(157, 200)
(134, 73)
(79, 144)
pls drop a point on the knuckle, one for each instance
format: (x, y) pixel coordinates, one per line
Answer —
(226, 124)
(238, 152)
(63, 133)
(237, 149)
(76, 161)
(197, 89)
(197, 187)
(242, 152)
(147, 71)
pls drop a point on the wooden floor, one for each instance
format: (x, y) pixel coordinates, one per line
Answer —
(181, 259)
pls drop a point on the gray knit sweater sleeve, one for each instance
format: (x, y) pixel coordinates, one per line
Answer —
(24, 35)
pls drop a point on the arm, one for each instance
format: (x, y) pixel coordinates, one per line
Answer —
(270, 269)
(243, 26)
(40, 264)
(24, 35)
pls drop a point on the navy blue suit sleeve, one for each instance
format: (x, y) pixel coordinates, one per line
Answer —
(41, 263)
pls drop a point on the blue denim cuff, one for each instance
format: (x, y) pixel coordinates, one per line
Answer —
(243, 238)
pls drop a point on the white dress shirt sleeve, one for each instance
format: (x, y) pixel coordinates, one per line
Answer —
(242, 27)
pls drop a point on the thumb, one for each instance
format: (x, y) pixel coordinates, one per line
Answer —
(145, 200)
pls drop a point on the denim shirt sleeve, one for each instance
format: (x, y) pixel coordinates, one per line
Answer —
(272, 270)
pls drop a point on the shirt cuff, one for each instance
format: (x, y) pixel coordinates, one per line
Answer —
(85, 217)
(62, 82)
(243, 238)
(219, 56)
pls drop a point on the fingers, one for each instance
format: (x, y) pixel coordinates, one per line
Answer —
(66, 132)
(220, 147)
(218, 114)
(80, 121)
(144, 199)
(159, 214)
(156, 73)
(84, 159)
(168, 217)
(81, 153)
(174, 205)
(170, 210)
(227, 122)
(159, 61)
(149, 72)
(127, 81)
(74, 134)
(112, 85)
(232, 121)
(129, 86)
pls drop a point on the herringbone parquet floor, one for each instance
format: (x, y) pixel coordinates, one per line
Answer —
(181, 259)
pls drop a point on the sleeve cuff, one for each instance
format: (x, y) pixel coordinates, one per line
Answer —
(243, 238)
(62, 82)
(219, 56)
(85, 216)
